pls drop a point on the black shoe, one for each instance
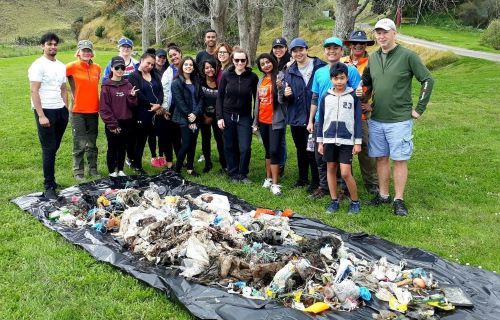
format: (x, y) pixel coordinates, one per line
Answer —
(319, 193)
(400, 208)
(50, 193)
(208, 167)
(312, 187)
(300, 183)
(378, 200)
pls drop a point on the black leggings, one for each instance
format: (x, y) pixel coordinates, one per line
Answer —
(117, 144)
(272, 139)
(206, 146)
(188, 147)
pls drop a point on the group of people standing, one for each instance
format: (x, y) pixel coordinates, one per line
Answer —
(168, 98)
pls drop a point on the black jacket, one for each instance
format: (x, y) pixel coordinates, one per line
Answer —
(142, 112)
(183, 100)
(236, 93)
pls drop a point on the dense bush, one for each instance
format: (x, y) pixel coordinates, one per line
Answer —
(99, 31)
(478, 13)
(27, 41)
(491, 37)
(129, 34)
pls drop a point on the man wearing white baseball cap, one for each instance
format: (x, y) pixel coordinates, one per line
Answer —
(388, 76)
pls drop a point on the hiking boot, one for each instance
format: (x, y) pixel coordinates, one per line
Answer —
(268, 182)
(113, 174)
(318, 193)
(400, 208)
(276, 189)
(50, 193)
(354, 207)
(333, 207)
(300, 183)
(378, 200)
(121, 174)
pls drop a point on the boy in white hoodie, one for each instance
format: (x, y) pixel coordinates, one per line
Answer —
(339, 135)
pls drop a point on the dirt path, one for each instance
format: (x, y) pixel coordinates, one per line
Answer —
(457, 50)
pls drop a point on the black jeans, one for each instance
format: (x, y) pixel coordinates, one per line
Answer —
(188, 147)
(117, 144)
(206, 146)
(50, 140)
(237, 136)
(142, 132)
(323, 182)
(305, 159)
(272, 139)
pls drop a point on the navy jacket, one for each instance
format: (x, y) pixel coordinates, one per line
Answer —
(183, 100)
(146, 95)
(299, 103)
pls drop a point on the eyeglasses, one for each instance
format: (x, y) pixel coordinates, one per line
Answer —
(240, 60)
(223, 52)
(122, 68)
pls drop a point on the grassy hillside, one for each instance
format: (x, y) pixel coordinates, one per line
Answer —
(29, 18)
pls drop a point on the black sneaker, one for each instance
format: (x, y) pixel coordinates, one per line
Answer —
(300, 183)
(400, 208)
(50, 193)
(208, 167)
(378, 200)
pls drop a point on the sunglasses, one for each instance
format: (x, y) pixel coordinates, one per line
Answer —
(122, 68)
(240, 60)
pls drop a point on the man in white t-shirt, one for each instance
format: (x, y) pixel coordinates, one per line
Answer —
(47, 77)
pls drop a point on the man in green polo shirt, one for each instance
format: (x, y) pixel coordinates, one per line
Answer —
(388, 76)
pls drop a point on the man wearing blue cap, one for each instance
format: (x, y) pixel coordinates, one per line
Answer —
(334, 50)
(389, 76)
(125, 46)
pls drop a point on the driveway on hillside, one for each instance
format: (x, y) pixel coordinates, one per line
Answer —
(457, 50)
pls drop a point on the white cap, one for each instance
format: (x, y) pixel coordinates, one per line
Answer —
(386, 24)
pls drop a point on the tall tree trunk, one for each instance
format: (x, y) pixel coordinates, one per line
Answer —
(249, 10)
(291, 18)
(145, 25)
(218, 16)
(345, 16)
(242, 11)
(157, 23)
(255, 31)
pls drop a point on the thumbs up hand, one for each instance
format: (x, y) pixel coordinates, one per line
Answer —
(288, 90)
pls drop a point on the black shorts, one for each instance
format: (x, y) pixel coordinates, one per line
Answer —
(337, 153)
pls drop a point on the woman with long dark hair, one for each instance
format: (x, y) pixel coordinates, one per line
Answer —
(269, 119)
(172, 131)
(208, 122)
(150, 98)
(234, 114)
(187, 97)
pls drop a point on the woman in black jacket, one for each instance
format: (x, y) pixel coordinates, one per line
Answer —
(150, 97)
(187, 97)
(237, 90)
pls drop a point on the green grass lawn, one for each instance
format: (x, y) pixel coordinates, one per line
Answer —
(464, 38)
(453, 197)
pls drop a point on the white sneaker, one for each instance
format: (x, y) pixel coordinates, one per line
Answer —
(121, 173)
(113, 175)
(201, 159)
(267, 183)
(276, 189)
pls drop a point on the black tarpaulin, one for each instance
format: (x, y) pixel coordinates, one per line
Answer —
(206, 302)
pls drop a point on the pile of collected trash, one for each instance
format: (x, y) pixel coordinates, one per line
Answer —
(255, 254)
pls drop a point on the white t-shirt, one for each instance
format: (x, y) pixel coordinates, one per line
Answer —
(51, 75)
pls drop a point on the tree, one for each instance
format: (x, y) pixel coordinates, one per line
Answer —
(346, 12)
(291, 18)
(145, 25)
(218, 16)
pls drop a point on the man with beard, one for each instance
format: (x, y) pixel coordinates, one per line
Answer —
(47, 77)
(209, 52)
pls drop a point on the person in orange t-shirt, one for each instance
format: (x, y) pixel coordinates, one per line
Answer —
(269, 119)
(83, 77)
(359, 58)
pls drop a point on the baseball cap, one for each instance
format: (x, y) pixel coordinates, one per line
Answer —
(359, 36)
(386, 24)
(85, 44)
(125, 42)
(161, 52)
(332, 41)
(279, 42)
(337, 68)
(117, 61)
(298, 43)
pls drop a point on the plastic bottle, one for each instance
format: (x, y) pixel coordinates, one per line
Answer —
(310, 143)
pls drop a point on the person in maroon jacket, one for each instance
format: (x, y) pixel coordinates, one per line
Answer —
(118, 97)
